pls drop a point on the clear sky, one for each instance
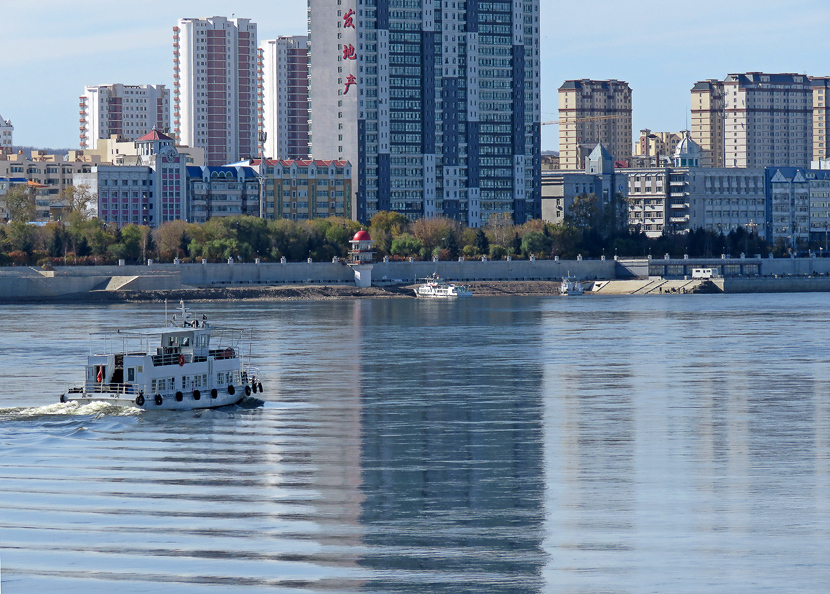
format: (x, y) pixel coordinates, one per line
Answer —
(51, 49)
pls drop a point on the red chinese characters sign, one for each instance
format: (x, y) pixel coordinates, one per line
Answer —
(350, 80)
(349, 52)
(348, 21)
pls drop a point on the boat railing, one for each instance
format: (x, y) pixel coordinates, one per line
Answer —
(175, 359)
(223, 353)
(106, 388)
(249, 372)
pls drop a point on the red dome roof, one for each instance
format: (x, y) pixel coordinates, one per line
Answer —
(361, 236)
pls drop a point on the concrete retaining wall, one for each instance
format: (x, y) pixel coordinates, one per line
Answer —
(21, 283)
(792, 284)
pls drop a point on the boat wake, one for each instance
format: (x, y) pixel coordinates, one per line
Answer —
(93, 409)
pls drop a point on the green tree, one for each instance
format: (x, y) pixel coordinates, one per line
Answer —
(406, 245)
(534, 243)
(498, 252)
(584, 213)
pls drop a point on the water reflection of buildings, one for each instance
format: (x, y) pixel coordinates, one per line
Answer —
(451, 447)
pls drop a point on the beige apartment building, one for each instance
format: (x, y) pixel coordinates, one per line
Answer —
(656, 144)
(48, 174)
(821, 127)
(754, 120)
(707, 121)
(303, 189)
(593, 112)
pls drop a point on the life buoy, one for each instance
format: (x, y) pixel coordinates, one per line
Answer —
(247, 390)
(159, 399)
(231, 389)
(140, 400)
(100, 377)
(179, 396)
(214, 393)
(181, 360)
(196, 394)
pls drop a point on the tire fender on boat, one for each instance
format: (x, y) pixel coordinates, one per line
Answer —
(63, 397)
(253, 386)
(259, 385)
(231, 389)
(214, 393)
(247, 390)
(159, 400)
(197, 395)
(179, 396)
(139, 400)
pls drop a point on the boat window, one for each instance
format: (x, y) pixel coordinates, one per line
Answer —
(186, 341)
(172, 341)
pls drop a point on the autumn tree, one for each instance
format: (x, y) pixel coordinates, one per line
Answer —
(500, 226)
(19, 204)
(79, 201)
(171, 240)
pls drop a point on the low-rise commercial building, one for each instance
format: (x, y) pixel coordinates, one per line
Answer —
(561, 188)
(301, 189)
(6, 138)
(48, 174)
(222, 192)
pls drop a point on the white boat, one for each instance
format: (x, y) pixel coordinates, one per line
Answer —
(434, 287)
(186, 364)
(571, 286)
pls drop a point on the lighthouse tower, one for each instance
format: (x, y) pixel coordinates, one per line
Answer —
(361, 257)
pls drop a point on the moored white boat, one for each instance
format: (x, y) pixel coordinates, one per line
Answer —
(571, 286)
(434, 287)
(186, 364)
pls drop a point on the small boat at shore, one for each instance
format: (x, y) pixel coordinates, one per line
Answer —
(433, 287)
(571, 286)
(185, 365)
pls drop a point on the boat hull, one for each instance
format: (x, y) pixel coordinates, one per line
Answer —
(168, 402)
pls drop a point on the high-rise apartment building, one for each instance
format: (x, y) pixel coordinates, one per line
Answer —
(821, 125)
(767, 120)
(707, 121)
(6, 130)
(285, 112)
(127, 111)
(215, 87)
(436, 105)
(593, 112)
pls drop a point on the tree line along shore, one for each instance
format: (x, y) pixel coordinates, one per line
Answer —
(586, 232)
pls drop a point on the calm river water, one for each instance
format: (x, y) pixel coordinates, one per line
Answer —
(490, 445)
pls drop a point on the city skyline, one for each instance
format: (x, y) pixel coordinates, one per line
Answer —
(660, 50)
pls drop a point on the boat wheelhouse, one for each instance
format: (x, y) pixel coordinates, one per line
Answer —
(185, 365)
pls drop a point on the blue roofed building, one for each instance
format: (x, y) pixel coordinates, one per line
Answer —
(222, 192)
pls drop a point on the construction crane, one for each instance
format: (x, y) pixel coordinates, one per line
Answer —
(580, 120)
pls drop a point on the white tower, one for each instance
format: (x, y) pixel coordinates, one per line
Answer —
(361, 257)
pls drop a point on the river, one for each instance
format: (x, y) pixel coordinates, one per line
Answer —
(486, 445)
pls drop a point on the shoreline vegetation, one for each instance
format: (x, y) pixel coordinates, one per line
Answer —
(588, 232)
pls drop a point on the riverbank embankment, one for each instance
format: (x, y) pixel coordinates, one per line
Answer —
(335, 280)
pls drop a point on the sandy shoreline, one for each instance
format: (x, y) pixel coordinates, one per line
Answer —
(307, 292)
